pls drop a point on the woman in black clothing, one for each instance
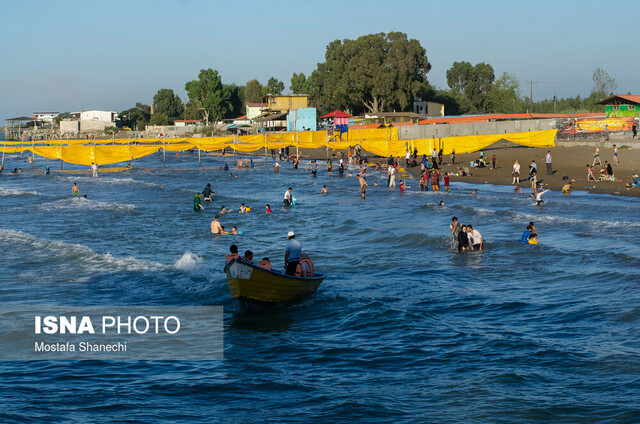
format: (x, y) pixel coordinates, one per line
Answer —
(463, 240)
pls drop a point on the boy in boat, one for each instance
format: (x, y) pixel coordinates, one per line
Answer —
(248, 256)
(233, 255)
(265, 263)
(305, 268)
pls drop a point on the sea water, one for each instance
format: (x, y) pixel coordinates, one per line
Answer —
(403, 329)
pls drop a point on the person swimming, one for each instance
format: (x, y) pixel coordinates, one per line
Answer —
(224, 210)
(538, 197)
(75, 190)
(242, 209)
(268, 209)
(324, 190)
(226, 167)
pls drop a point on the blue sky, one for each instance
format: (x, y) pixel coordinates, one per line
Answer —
(74, 55)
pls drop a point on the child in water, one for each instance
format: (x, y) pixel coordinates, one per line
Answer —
(75, 190)
(401, 185)
(533, 239)
(268, 209)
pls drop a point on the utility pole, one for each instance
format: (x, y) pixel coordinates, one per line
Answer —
(531, 95)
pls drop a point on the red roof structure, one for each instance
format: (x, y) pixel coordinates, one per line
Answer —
(337, 114)
(621, 99)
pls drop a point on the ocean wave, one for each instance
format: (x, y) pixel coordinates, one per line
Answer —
(87, 204)
(76, 256)
(14, 192)
(188, 262)
(109, 180)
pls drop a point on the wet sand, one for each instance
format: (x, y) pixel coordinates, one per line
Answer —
(566, 162)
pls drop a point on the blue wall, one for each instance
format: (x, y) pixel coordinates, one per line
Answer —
(301, 119)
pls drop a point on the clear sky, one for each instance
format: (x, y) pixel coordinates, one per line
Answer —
(74, 55)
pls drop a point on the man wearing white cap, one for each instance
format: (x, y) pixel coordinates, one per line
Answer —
(292, 254)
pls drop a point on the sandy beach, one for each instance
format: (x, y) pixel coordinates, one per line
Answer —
(566, 161)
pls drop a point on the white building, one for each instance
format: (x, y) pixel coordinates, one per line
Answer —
(255, 109)
(98, 115)
(424, 108)
(45, 116)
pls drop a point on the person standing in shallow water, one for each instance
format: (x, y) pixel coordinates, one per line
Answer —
(197, 206)
(463, 241)
(454, 227)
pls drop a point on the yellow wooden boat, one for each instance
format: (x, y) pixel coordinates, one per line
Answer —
(248, 282)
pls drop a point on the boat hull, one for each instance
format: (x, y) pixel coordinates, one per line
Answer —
(252, 283)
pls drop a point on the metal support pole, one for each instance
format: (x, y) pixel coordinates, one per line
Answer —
(163, 154)
(198, 150)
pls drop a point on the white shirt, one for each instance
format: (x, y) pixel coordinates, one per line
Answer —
(548, 157)
(516, 167)
(408, 156)
(94, 167)
(287, 195)
(476, 236)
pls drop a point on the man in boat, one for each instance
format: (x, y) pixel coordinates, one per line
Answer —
(248, 256)
(292, 254)
(305, 267)
(233, 255)
(265, 263)
(216, 228)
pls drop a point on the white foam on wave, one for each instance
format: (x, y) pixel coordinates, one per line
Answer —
(13, 192)
(87, 204)
(110, 180)
(82, 259)
(188, 262)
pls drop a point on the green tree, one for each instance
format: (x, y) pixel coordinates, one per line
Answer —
(236, 100)
(375, 72)
(603, 85)
(209, 95)
(136, 117)
(253, 91)
(274, 86)
(160, 119)
(299, 84)
(166, 103)
(472, 85)
(504, 96)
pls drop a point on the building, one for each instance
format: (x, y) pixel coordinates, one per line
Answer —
(254, 110)
(98, 115)
(286, 102)
(387, 118)
(427, 109)
(188, 122)
(302, 119)
(45, 116)
(620, 106)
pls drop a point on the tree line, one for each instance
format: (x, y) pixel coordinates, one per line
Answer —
(373, 73)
